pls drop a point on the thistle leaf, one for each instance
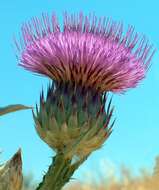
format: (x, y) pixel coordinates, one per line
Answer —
(11, 173)
(12, 108)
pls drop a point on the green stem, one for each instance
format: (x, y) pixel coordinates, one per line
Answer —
(59, 173)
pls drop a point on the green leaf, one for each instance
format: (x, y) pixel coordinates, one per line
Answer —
(12, 108)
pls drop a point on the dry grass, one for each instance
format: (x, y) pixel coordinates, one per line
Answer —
(127, 181)
(140, 183)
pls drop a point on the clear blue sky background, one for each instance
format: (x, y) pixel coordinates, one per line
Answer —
(135, 140)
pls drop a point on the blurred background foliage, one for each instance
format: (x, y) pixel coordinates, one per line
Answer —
(146, 180)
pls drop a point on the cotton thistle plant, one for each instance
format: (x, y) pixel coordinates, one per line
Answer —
(11, 173)
(85, 58)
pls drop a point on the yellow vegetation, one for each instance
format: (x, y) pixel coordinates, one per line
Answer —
(127, 181)
(145, 181)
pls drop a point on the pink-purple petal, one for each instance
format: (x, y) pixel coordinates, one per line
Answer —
(87, 51)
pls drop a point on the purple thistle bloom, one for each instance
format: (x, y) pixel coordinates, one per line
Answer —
(87, 51)
(85, 58)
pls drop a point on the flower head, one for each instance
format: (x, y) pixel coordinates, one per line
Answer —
(86, 51)
(85, 58)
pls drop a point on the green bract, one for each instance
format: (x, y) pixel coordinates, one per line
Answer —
(72, 120)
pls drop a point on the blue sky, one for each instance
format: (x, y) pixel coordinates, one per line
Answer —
(135, 139)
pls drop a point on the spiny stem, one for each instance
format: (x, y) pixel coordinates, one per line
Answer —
(59, 172)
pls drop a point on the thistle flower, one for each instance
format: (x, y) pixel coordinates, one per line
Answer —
(85, 59)
(87, 51)
(11, 173)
